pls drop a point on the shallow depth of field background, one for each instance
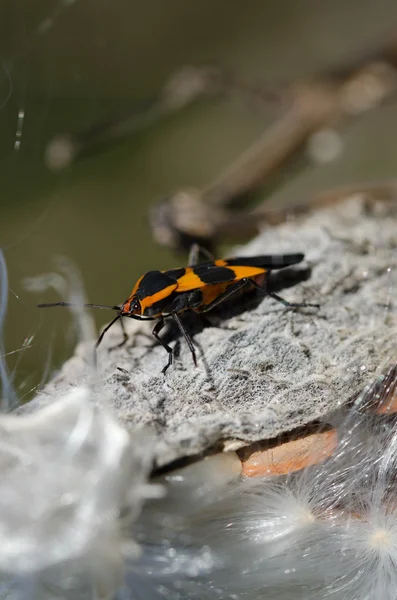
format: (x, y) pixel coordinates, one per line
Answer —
(68, 65)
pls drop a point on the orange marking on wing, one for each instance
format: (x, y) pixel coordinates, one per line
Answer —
(288, 456)
(250, 272)
(221, 263)
(189, 281)
(150, 300)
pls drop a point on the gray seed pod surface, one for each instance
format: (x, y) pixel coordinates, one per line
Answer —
(262, 369)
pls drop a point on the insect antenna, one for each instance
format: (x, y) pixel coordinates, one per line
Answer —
(99, 340)
(51, 304)
(105, 306)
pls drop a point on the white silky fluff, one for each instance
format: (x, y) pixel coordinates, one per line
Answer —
(68, 472)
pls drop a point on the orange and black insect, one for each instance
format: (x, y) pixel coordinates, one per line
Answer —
(159, 295)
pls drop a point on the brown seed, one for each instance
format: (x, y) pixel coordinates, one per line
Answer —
(283, 456)
(389, 407)
(381, 396)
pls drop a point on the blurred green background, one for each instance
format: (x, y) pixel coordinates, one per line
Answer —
(68, 65)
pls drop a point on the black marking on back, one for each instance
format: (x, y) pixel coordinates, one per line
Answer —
(152, 283)
(276, 261)
(211, 274)
(176, 273)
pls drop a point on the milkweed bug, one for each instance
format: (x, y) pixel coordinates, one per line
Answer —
(158, 295)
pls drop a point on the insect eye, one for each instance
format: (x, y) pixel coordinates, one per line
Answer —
(135, 305)
(130, 307)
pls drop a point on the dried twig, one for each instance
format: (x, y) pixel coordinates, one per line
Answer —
(208, 214)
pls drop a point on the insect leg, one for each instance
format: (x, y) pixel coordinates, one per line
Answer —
(195, 251)
(99, 340)
(291, 304)
(156, 330)
(232, 289)
(125, 337)
(239, 285)
(281, 300)
(125, 334)
(185, 334)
